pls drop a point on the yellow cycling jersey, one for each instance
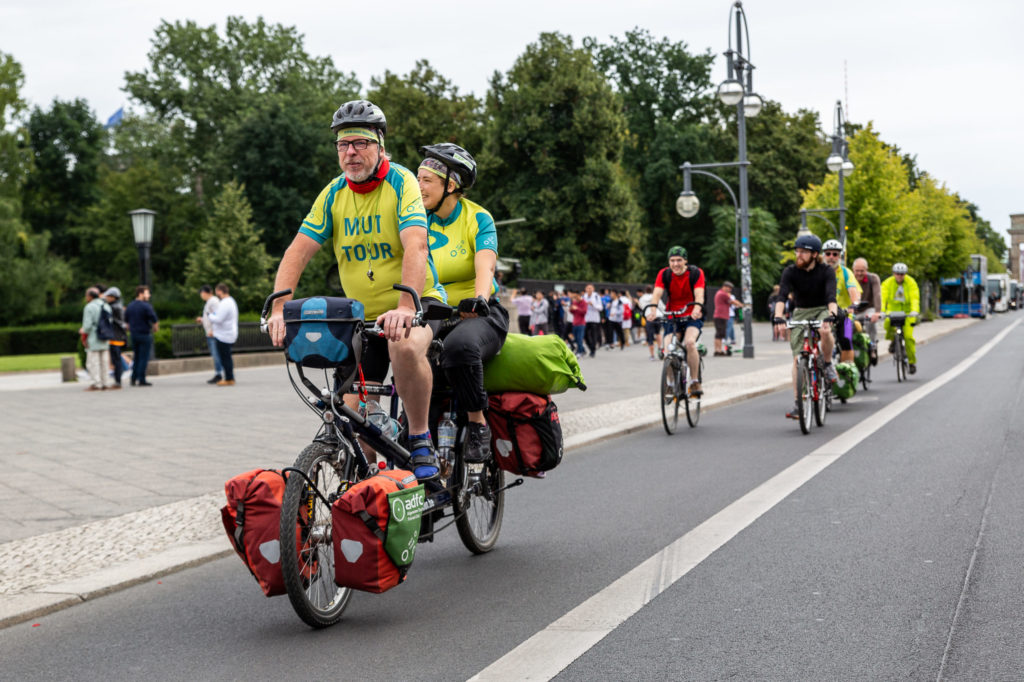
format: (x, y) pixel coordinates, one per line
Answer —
(454, 242)
(844, 280)
(365, 231)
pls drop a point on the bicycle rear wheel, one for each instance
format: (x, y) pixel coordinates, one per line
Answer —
(307, 556)
(479, 503)
(805, 397)
(865, 376)
(670, 379)
(693, 403)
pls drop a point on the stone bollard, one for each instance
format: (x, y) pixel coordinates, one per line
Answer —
(68, 370)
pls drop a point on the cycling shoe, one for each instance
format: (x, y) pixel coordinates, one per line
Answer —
(426, 466)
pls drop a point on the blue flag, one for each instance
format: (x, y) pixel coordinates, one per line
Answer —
(115, 119)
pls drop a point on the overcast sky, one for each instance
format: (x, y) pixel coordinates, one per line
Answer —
(941, 79)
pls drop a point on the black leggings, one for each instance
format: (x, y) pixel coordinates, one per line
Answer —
(467, 346)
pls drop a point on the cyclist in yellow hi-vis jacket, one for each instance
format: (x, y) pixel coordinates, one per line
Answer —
(900, 294)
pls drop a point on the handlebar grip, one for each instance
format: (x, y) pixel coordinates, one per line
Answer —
(412, 292)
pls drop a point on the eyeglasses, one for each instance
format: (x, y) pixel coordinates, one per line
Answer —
(358, 145)
(833, 254)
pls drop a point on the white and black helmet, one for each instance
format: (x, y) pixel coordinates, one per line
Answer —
(359, 113)
(832, 245)
(899, 269)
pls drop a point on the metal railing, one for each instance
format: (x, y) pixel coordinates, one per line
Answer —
(190, 339)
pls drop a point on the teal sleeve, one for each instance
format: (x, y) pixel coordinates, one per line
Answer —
(486, 233)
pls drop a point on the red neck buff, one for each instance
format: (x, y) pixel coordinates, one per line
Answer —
(372, 182)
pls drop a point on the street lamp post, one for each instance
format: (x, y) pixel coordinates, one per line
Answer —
(142, 227)
(839, 162)
(736, 90)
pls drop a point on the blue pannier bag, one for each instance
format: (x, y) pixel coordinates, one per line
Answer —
(324, 332)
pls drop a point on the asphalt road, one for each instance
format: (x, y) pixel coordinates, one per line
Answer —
(900, 560)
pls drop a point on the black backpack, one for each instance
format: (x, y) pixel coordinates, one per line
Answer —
(694, 272)
(105, 330)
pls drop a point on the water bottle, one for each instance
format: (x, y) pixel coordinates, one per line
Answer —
(446, 436)
(376, 415)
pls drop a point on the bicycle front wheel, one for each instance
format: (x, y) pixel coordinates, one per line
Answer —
(805, 396)
(307, 556)
(479, 504)
(693, 403)
(670, 379)
(865, 376)
(899, 357)
(821, 405)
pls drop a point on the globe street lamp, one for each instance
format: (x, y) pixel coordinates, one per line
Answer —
(142, 227)
(736, 90)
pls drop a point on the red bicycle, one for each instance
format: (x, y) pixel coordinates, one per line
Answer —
(813, 389)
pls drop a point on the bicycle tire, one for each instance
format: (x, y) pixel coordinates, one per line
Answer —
(670, 377)
(897, 357)
(865, 376)
(693, 404)
(317, 600)
(821, 404)
(804, 396)
(479, 505)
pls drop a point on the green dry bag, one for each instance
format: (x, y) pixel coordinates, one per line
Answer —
(535, 364)
(848, 378)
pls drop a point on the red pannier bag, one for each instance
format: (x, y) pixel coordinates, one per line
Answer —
(359, 524)
(252, 519)
(526, 435)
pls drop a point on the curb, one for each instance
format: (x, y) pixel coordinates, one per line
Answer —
(19, 608)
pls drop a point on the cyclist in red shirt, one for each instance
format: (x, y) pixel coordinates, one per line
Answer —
(685, 286)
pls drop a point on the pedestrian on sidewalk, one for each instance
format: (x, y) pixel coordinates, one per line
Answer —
(652, 328)
(723, 305)
(225, 331)
(210, 303)
(142, 323)
(117, 344)
(592, 318)
(539, 314)
(97, 350)
(578, 308)
(627, 319)
(522, 301)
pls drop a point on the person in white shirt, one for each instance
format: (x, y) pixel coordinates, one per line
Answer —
(225, 331)
(592, 319)
(210, 305)
(652, 328)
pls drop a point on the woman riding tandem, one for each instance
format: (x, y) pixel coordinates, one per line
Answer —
(464, 246)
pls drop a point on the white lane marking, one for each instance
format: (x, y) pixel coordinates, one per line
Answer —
(554, 648)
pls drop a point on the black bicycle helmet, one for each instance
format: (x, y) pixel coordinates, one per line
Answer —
(456, 159)
(359, 112)
(809, 242)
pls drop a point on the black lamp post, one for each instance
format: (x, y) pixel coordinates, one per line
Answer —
(737, 89)
(142, 227)
(839, 162)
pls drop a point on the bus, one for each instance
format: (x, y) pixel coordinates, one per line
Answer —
(999, 292)
(965, 295)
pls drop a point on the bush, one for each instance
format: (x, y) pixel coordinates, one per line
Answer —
(49, 338)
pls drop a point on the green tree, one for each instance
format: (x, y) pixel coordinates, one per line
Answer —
(229, 250)
(720, 260)
(423, 108)
(666, 99)
(987, 234)
(30, 277)
(67, 147)
(202, 84)
(556, 132)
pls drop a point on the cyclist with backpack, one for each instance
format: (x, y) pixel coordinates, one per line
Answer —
(464, 247)
(848, 293)
(813, 285)
(684, 285)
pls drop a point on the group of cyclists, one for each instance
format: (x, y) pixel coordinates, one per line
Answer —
(388, 226)
(818, 286)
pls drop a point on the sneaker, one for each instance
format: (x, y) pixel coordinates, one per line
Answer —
(695, 389)
(426, 466)
(830, 373)
(653, 359)
(478, 443)
(795, 412)
(215, 379)
(226, 382)
(912, 368)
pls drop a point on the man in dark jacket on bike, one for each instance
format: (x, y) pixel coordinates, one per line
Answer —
(813, 286)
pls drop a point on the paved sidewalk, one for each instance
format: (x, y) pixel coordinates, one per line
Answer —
(102, 490)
